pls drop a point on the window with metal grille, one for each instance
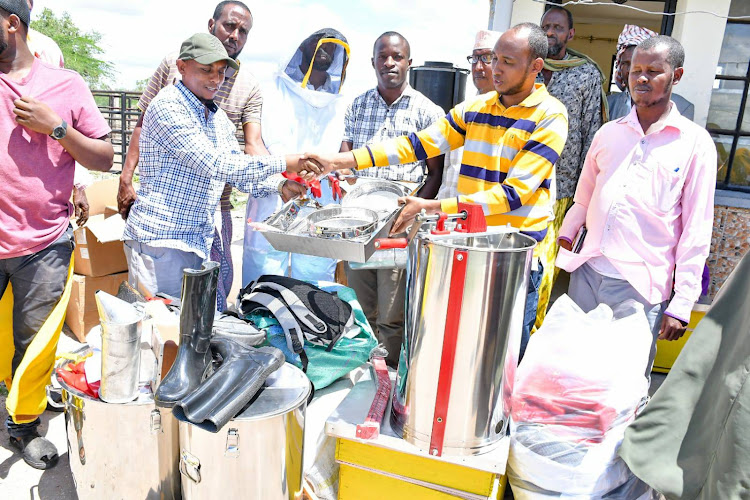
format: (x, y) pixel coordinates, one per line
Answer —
(728, 114)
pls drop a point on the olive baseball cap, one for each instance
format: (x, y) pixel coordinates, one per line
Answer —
(19, 8)
(204, 48)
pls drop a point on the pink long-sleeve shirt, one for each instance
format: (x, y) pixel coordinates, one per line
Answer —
(648, 204)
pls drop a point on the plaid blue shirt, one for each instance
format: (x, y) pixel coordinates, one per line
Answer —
(186, 157)
(369, 120)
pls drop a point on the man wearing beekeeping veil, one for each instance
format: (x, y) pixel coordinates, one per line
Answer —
(304, 110)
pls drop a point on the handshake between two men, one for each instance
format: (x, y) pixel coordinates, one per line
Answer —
(311, 166)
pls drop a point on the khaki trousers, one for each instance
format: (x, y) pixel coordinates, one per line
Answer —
(382, 294)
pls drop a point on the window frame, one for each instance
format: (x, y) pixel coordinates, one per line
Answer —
(737, 133)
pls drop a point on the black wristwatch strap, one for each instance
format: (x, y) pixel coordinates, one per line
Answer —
(60, 131)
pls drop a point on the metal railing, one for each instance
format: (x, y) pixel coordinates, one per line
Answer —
(120, 109)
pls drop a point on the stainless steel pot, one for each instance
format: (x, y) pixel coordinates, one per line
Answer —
(258, 454)
(464, 312)
(121, 450)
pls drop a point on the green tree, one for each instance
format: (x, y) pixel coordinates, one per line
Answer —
(140, 85)
(80, 49)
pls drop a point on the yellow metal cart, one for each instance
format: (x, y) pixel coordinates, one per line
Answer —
(389, 467)
(668, 350)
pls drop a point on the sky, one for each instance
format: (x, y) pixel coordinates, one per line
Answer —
(137, 34)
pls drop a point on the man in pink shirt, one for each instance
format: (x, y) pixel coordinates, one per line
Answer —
(48, 120)
(47, 50)
(646, 199)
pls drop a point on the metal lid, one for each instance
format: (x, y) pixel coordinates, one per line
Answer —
(283, 391)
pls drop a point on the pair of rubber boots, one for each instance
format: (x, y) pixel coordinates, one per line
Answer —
(211, 402)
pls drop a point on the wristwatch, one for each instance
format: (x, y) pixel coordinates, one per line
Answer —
(59, 131)
(280, 186)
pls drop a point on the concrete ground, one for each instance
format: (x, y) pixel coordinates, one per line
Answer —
(19, 481)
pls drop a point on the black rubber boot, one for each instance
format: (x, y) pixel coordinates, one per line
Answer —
(231, 387)
(196, 321)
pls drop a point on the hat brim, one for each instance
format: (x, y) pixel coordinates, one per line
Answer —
(212, 58)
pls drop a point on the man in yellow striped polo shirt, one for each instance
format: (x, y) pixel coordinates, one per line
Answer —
(511, 137)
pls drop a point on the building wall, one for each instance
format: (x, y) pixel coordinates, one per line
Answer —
(526, 11)
(599, 42)
(730, 241)
(701, 35)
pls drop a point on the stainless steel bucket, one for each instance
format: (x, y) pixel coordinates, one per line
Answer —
(121, 361)
(121, 450)
(464, 313)
(258, 454)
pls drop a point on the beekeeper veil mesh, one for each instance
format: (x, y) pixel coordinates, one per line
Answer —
(327, 50)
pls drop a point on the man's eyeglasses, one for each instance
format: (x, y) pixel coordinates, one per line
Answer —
(485, 58)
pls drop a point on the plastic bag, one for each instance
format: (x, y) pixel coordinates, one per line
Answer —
(584, 370)
(576, 390)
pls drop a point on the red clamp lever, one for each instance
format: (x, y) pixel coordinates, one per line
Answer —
(440, 224)
(474, 221)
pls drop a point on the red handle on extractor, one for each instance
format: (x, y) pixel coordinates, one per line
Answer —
(388, 243)
(314, 186)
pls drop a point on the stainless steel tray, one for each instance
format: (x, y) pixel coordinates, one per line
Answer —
(374, 193)
(358, 250)
(342, 223)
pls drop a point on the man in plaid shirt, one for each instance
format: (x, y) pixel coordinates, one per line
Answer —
(392, 109)
(188, 151)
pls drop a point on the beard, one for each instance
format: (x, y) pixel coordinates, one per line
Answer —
(664, 98)
(322, 65)
(555, 48)
(514, 89)
(518, 87)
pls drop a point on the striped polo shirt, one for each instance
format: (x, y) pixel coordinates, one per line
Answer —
(239, 96)
(508, 161)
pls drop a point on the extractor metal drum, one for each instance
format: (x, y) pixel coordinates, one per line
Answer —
(121, 450)
(258, 454)
(465, 305)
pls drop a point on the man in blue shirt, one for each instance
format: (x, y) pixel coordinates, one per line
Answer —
(188, 152)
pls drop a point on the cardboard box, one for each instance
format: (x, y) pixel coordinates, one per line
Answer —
(82, 315)
(99, 251)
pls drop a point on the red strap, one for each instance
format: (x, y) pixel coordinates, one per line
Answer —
(448, 357)
(370, 428)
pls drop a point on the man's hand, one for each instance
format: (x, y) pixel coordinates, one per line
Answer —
(125, 197)
(329, 163)
(305, 167)
(413, 206)
(292, 189)
(671, 328)
(565, 244)
(81, 204)
(347, 175)
(36, 115)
